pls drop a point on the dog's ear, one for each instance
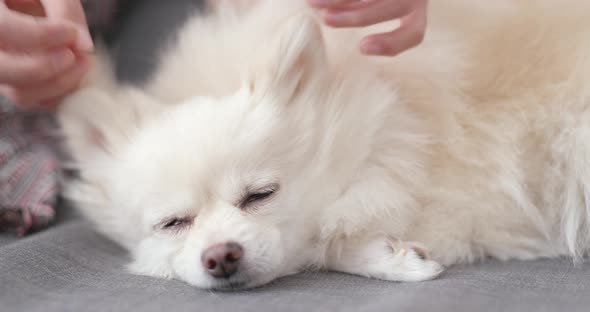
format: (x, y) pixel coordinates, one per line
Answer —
(101, 115)
(95, 121)
(293, 58)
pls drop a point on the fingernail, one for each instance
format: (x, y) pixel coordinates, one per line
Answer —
(371, 48)
(62, 59)
(337, 19)
(329, 17)
(84, 42)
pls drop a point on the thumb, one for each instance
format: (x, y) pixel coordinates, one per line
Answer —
(71, 10)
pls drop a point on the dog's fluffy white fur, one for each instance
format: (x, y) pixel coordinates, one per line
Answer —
(474, 145)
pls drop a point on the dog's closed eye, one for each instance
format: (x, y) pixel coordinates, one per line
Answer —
(176, 223)
(254, 198)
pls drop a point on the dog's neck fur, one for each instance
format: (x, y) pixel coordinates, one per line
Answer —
(364, 132)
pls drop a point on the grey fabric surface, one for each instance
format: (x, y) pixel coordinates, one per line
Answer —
(4, 240)
(146, 26)
(69, 267)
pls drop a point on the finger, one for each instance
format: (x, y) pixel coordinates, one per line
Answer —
(408, 35)
(10, 93)
(71, 10)
(21, 69)
(367, 13)
(25, 33)
(7, 91)
(327, 4)
(52, 89)
(29, 7)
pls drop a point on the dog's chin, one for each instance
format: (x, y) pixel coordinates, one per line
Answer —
(236, 283)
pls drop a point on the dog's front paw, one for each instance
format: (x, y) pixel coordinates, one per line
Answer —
(408, 262)
(387, 259)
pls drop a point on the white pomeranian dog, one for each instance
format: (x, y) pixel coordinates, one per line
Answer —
(266, 144)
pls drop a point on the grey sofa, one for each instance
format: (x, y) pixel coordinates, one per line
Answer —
(69, 267)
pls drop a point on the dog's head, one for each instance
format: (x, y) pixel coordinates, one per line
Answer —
(213, 191)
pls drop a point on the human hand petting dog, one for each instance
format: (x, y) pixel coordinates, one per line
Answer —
(44, 47)
(360, 13)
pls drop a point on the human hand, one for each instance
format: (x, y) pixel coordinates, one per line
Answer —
(44, 46)
(360, 13)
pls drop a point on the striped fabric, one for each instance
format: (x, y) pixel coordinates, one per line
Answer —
(29, 166)
(29, 169)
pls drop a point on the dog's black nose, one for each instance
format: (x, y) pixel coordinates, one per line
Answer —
(222, 260)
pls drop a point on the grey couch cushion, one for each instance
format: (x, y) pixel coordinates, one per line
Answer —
(6, 240)
(69, 267)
